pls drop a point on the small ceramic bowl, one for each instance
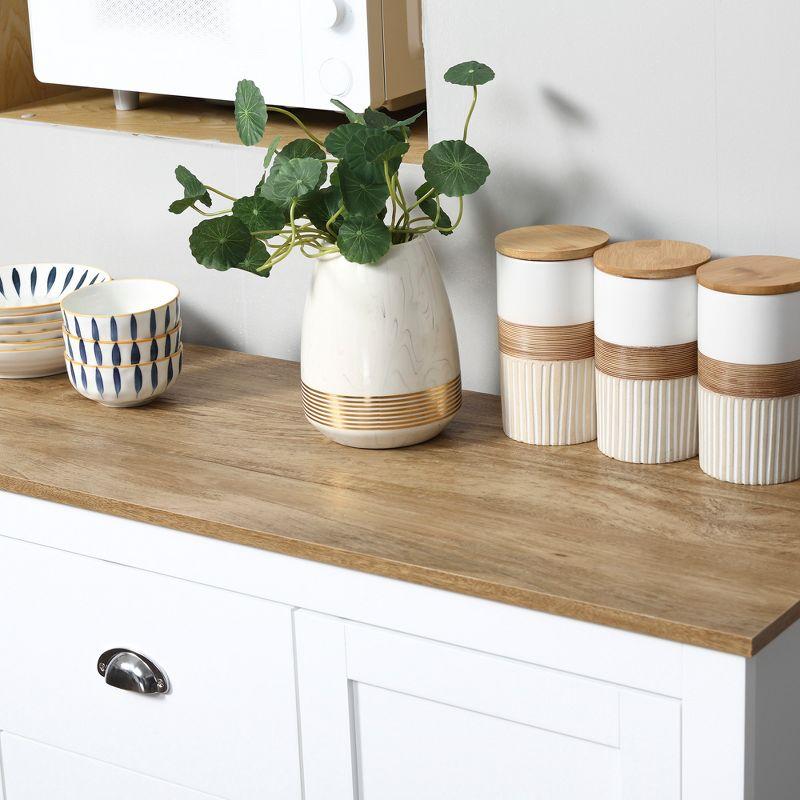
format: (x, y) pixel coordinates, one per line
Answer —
(115, 354)
(32, 362)
(29, 288)
(15, 328)
(21, 339)
(125, 386)
(122, 311)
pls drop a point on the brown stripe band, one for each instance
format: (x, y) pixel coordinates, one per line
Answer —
(646, 363)
(556, 343)
(388, 412)
(749, 380)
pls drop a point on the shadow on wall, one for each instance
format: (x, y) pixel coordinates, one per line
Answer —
(199, 328)
(532, 196)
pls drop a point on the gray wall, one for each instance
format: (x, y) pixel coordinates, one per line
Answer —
(668, 119)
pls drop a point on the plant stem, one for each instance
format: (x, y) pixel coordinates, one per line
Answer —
(297, 122)
(471, 109)
(458, 218)
(332, 220)
(217, 191)
(422, 199)
(323, 252)
(391, 182)
(211, 213)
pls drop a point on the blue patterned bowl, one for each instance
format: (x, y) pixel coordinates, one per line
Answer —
(116, 354)
(123, 310)
(26, 289)
(125, 386)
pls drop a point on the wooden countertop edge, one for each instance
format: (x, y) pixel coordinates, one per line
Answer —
(732, 643)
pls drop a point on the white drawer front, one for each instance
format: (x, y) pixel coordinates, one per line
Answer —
(33, 771)
(228, 726)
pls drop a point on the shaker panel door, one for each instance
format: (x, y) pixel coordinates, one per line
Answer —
(386, 716)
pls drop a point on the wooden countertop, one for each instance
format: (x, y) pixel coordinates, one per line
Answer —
(662, 550)
(183, 118)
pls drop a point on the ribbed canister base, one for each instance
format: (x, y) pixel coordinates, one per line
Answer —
(753, 441)
(647, 421)
(548, 402)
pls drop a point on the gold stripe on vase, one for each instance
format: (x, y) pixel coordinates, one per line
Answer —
(546, 343)
(385, 412)
(749, 380)
(646, 363)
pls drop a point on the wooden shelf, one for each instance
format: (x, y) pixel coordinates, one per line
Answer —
(180, 118)
(661, 550)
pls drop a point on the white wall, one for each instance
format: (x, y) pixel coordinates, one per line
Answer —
(673, 119)
(670, 119)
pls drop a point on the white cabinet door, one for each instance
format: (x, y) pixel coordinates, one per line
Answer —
(33, 771)
(387, 716)
(228, 725)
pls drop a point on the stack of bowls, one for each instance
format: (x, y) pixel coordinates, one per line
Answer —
(30, 322)
(122, 340)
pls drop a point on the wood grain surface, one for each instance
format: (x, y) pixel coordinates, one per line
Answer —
(757, 275)
(550, 242)
(18, 84)
(749, 380)
(651, 259)
(646, 363)
(227, 453)
(546, 343)
(184, 118)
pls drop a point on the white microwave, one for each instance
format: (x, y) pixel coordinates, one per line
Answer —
(301, 53)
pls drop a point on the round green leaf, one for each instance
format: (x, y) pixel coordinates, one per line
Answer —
(318, 207)
(470, 73)
(179, 206)
(303, 148)
(273, 146)
(251, 112)
(377, 119)
(300, 148)
(364, 240)
(380, 146)
(259, 214)
(455, 168)
(220, 243)
(338, 139)
(256, 257)
(363, 191)
(193, 188)
(292, 179)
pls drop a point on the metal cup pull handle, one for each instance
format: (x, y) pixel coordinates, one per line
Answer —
(131, 671)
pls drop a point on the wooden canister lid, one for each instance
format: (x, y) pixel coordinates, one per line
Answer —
(653, 259)
(751, 275)
(550, 242)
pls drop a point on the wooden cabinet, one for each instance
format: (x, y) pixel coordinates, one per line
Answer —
(379, 688)
(387, 716)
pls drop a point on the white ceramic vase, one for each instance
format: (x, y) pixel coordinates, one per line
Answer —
(379, 355)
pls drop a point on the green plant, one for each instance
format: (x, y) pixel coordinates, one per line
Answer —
(358, 209)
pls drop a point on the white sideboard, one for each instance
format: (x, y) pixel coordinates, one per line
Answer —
(291, 679)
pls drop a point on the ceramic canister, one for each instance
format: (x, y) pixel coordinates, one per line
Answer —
(749, 369)
(645, 307)
(546, 332)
